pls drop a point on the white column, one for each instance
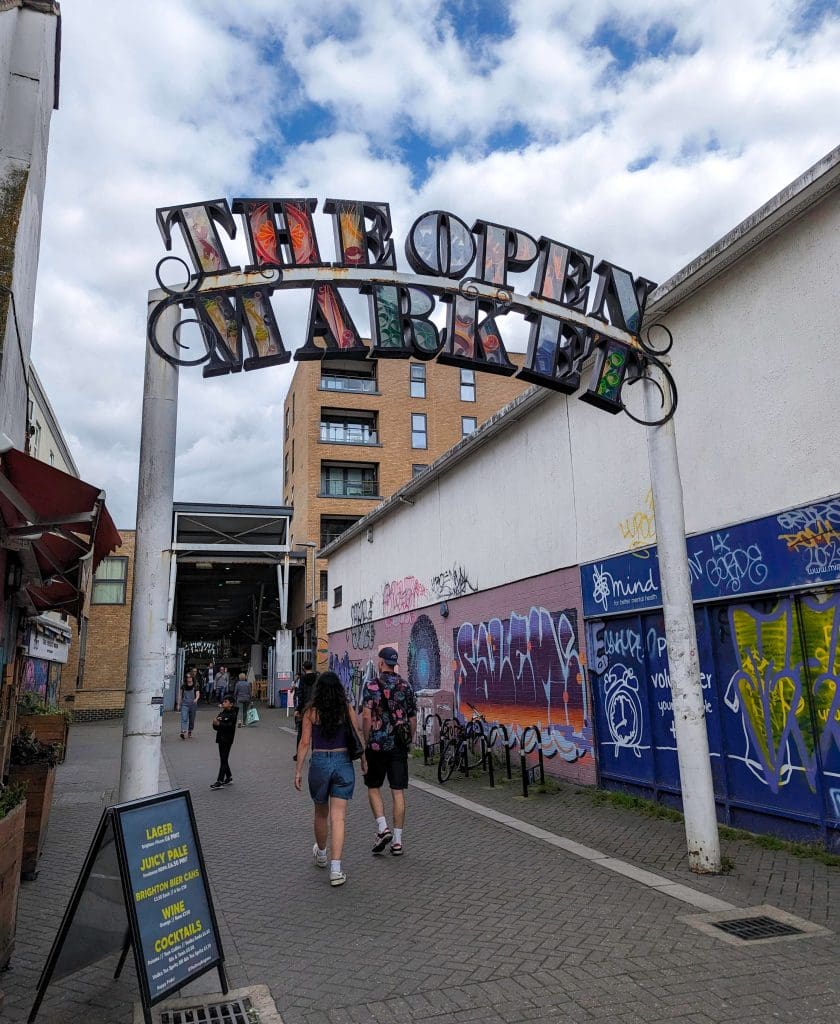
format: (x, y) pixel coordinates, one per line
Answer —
(148, 635)
(701, 827)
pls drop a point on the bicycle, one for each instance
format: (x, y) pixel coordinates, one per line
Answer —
(465, 747)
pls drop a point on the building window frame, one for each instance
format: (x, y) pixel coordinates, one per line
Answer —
(101, 583)
(417, 380)
(323, 586)
(418, 469)
(465, 430)
(467, 385)
(337, 596)
(419, 430)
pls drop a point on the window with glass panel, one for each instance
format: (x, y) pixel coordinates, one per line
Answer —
(323, 587)
(332, 527)
(347, 481)
(109, 582)
(417, 380)
(419, 437)
(418, 468)
(468, 425)
(467, 385)
(337, 597)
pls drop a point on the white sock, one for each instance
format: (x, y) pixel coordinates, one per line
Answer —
(398, 835)
(322, 853)
(381, 824)
(335, 867)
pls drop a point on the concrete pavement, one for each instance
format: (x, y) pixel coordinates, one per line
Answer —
(480, 920)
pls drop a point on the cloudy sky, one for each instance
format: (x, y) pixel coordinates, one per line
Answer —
(638, 130)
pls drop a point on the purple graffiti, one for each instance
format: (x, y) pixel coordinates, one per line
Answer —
(400, 596)
(528, 666)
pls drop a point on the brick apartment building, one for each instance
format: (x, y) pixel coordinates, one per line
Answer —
(354, 432)
(98, 690)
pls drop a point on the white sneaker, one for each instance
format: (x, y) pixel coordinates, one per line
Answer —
(337, 878)
(319, 856)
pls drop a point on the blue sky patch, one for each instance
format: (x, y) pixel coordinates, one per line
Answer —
(642, 163)
(478, 23)
(809, 15)
(627, 50)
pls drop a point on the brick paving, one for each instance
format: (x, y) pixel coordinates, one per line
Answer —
(476, 922)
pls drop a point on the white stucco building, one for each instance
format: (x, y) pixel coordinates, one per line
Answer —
(515, 530)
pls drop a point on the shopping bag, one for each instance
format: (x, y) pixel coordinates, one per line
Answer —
(253, 716)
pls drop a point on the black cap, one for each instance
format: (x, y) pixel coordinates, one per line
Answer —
(389, 656)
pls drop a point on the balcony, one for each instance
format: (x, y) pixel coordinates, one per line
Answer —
(349, 433)
(355, 385)
(349, 488)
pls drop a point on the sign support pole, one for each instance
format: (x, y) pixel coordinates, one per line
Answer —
(683, 660)
(147, 637)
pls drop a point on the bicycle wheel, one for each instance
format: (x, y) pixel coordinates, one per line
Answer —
(448, 760)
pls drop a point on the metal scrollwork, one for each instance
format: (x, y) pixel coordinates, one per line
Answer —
(646, 358)
(209, 335)
(502, 298)
(191, 285)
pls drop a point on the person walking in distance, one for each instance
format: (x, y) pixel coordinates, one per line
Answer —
(190, 696)
(328, 724)
(222, 683)
(242, 696)
(389, 715)
(303, 696)
(225, 725)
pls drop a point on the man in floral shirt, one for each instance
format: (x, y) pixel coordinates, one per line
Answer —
(389, 716)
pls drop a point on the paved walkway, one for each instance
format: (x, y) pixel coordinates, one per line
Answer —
(481, 920)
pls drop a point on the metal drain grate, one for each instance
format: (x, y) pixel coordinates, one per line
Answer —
(751, 928)
(232, 1011)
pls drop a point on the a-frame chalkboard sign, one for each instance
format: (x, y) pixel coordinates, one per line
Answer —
(143, 886)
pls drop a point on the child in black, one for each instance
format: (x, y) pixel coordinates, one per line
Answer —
(225, 725)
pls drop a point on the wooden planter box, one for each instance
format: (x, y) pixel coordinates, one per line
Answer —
(39, 779)
(11, 854)
(47, 729)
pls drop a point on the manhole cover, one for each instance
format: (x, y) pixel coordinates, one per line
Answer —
(231, 1011)
(751, 928)
(755, 924)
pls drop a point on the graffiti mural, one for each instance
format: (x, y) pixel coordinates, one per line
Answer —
(504, 650)
(526, 669)
(770, 672)
(452, 582)
(424, 655)
(362, 632)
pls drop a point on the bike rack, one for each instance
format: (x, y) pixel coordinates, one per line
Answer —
(491, 742)
(426, 745)
(522, 756)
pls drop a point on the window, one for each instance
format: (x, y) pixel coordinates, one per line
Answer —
(352, 428)
(286, 466)
(323, 592)
(417, 380)
(287, 421)
(418, 468)
(468, 425)
(419, 438)
(110, 581)
(344, 480)
(293, 456)
(293, 408)
(467, 385)
(337, 597)
(332, 527)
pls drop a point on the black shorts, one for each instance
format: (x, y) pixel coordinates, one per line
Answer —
(392, 764)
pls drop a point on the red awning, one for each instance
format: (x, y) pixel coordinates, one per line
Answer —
(62, 520)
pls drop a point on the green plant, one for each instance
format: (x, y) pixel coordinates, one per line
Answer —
(32, 704)
(11, 796)
(27, 750)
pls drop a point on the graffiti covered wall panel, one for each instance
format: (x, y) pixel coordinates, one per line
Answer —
(769, 672)
(515, 652)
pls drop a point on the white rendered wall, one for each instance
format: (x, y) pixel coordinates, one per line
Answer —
(757, 431)
(27, 82)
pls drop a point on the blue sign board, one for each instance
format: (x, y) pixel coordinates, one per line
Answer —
(794, 549)
(169, 893)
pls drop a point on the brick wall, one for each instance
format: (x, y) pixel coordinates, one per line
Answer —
(102, 693)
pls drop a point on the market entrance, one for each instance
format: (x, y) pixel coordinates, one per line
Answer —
(231, 579)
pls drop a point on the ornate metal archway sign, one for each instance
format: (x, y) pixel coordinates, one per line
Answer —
(577, 309)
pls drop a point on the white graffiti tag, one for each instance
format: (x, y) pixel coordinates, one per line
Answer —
(624, 713)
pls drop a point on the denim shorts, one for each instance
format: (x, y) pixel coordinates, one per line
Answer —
(331, 773)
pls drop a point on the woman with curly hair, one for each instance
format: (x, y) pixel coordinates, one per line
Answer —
(326, 726)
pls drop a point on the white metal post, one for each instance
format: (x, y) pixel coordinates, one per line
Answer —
(698, 797)
(148, 634)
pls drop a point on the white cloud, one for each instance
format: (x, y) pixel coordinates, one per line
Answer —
(169, 102)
